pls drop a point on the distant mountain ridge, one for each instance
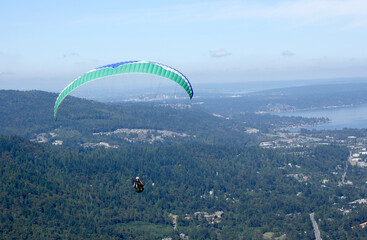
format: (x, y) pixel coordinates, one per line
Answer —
(292, 98)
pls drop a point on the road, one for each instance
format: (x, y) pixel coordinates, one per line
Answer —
(315, 227)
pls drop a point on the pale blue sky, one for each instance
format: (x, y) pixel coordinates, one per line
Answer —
(47, 44)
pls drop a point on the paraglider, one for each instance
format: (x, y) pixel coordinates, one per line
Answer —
(138, 185)
(123, 68)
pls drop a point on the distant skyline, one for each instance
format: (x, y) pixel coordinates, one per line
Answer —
(46, 44)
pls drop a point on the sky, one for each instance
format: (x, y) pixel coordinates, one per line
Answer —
(45, 45)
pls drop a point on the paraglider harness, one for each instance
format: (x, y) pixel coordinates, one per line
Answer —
(139, 186)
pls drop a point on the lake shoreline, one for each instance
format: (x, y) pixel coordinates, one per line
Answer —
(351, 116)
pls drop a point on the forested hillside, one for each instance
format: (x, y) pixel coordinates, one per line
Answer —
(213, 192)
(80, 121)
(206, 176)
(30, 113)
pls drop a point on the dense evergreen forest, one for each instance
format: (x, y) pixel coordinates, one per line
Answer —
(30, 113)
(55, 192)
(215, 182)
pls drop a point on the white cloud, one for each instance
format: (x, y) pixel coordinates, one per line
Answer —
(352, 12)
(3, 74)
(297, 12)
(314, 11)
(357, 24)
(73, 54)
(287, 53)
(220, 53)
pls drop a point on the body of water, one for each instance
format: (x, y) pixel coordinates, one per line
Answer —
(353, 117)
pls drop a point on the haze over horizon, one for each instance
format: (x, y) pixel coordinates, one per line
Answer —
(46, 45)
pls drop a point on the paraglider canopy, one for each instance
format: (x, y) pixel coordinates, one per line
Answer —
(122, 68)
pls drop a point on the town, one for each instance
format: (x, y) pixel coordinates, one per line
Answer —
(286, 139)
